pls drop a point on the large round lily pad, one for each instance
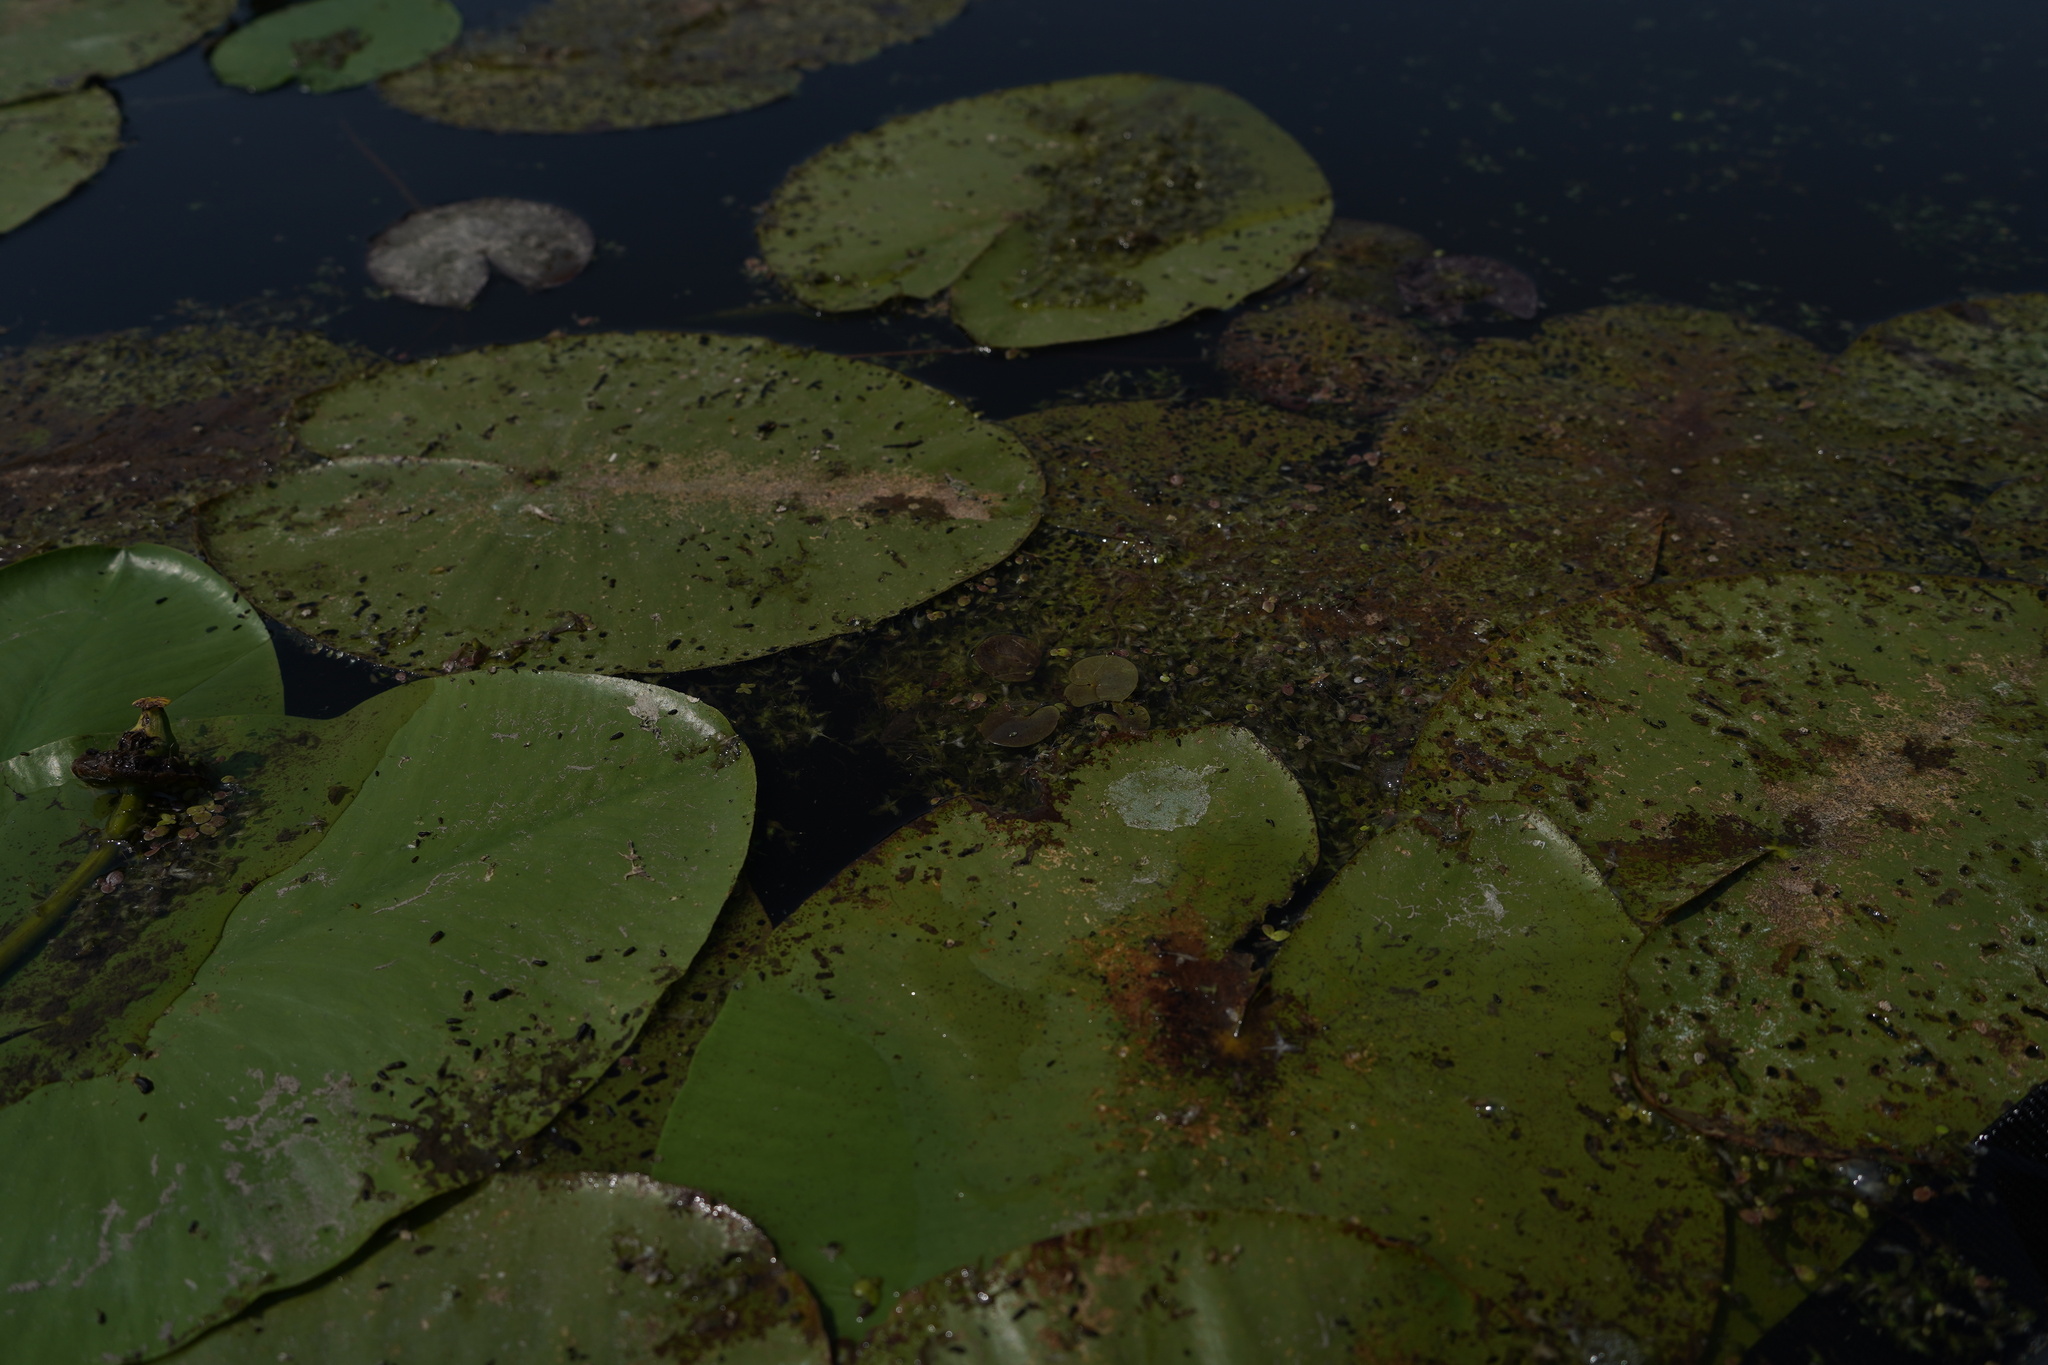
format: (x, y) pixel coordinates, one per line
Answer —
(581, 66)
(50, 45)
(328, 45)
(1215, 1286)
(525, 864)
(84, 632)
(51, 146)
(629, 503)
(992, 1030)
(613, 1268)
(153, 424)
(1063, 212)
(1827, 790)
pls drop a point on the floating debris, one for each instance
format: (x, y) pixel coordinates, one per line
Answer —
(443, 257)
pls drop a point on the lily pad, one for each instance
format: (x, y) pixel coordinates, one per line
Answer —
(1360, 263)
(151, 425)
(895, 1130)
(581, 66)
(529, 861)
(1101, 677)
(57, 44)
(615, 1268)
(443, 256)
(1827, 791)
(647, 502)
(84, 632)
(1441, 287)
(992, 1030)
(1220, 1286)
(1325, 356)
(51, 146)
(1064, 212)
(328, 45)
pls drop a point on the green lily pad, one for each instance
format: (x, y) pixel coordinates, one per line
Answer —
(626, 503)
(615, 1268)
(51, 146)
(84, 1003)
(1064, 212)
(153, 424)
(989, 1031)
(57, 44)
(1827, 791)
(881, 1096)
(84, 632)
(328, 45)
(1219, 1286)
(1360, 263)
(1332, 358)
(529, 861)
(581, 66)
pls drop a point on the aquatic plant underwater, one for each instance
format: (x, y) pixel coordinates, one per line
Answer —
(1467, 848)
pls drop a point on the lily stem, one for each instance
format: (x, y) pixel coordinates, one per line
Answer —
(23, 938)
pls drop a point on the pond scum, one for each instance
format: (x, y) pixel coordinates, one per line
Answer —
(1346, 557)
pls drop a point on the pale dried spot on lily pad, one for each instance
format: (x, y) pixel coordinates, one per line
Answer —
(443, 256)
(578, 66)
(1101, 677)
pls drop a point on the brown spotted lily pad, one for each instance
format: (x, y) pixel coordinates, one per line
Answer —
(1826, 791)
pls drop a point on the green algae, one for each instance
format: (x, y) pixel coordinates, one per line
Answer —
(1331, 358)
(51, 146)
(1064, 212)
(579, 66)
(116, 439)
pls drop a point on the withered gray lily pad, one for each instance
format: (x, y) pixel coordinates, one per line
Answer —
(443, 256)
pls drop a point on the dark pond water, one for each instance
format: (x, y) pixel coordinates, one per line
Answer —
(1819, 166)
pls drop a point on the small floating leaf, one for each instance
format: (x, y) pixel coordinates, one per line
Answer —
(1101, 677)
(1007, 658)
(1827, 788)
(328, 45)
(1222, 1286)
(387, 1017)
(1063, 212)
(443, 256)
(57, 44)
(83, 632)
(1014, 731)
(619, 1266)
(647, 502)
(580, 66)
(51, 146)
